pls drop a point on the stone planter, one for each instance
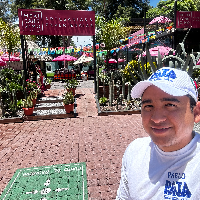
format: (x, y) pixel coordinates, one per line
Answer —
(115, 91)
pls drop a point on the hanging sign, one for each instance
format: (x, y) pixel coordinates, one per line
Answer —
(56, 22)
(187, 19)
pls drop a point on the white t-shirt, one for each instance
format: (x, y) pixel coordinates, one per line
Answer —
(149, 173)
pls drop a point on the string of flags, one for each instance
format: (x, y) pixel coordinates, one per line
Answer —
(88, 49)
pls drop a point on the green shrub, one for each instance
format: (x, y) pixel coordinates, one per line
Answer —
(134, 65)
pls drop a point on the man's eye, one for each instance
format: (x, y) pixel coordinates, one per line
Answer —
(170, 105)
(147, 107)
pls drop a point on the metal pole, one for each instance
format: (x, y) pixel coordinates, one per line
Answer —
(94, 56)
(23, 56)
(127, 55)
(174, 33)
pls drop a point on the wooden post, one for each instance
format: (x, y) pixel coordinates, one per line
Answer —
(23, 56)
(123, 86)
(94, 56)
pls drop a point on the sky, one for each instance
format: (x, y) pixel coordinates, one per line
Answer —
(82, 40)
(85, 40)
(154, 2)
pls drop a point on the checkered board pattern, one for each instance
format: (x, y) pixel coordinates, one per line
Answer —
(64, 181)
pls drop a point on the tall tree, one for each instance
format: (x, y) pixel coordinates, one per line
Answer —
(112, 8)
(9, 36)
(5, 13)
(166, 8)
(110, 32)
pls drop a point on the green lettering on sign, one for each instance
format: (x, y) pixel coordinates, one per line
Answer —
(63, 181)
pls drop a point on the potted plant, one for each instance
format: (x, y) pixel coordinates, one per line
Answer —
(48, 83)
(27, 106)
(68, 100)
(33, 95)
(72, 85)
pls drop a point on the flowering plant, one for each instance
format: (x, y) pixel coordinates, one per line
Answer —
(27, 103)
(71, 83)
(32, 87)
(68, 98)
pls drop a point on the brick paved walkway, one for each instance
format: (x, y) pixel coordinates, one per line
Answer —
(98, 141)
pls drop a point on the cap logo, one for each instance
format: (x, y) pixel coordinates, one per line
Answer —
(163, 74)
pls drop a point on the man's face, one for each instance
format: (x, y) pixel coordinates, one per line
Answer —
(167, 119)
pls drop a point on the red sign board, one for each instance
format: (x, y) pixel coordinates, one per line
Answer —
(56, 22)
(188, 19)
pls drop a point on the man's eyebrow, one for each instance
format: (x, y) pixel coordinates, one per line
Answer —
(171, 99)
(163, 99)
(146, 101)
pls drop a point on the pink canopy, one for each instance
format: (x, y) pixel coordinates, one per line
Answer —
(154, 51)
(64, 58)
(160, 19)
(12, 58)
(2, 63)
(111, 61)
(120, 60)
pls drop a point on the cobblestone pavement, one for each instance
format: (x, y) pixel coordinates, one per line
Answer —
(97, 140)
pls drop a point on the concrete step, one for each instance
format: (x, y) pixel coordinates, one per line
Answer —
(50, 108)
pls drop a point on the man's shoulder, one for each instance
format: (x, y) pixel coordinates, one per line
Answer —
(139, 144)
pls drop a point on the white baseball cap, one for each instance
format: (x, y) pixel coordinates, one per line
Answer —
(172, 81)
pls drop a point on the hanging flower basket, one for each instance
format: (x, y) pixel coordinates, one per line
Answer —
(28, 111)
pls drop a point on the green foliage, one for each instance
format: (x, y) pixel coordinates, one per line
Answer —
(104, 77)
(71, 83)
(19, 103)
(5, 11)
(50, 75)
(27, 103)
(33, 94)
(196, 73)
(10, 80)
(110, 32)
(133, 66)
(9, 36)
(68, 98)
(103, 100)
(166, 8)
(48, 81)
(31, 86)
(120, 8)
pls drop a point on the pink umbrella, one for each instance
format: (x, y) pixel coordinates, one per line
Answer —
(160, 19)
(111, 61)
(64, 58)
(120, 60)
(198, 63)
(154, 51)
(12, 58)
(2, 63)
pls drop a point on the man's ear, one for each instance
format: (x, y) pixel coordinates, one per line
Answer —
(197, 112)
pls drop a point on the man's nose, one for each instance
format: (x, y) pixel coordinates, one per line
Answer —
(158, 116)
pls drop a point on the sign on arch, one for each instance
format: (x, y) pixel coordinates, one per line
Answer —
(56, 22)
